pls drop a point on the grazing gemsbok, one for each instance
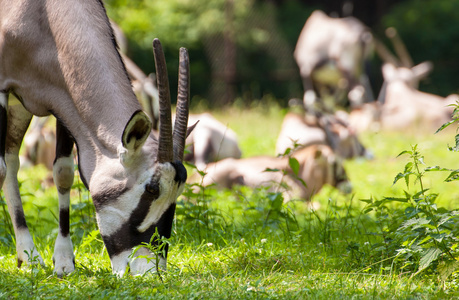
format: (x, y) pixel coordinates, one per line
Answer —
(60, 58)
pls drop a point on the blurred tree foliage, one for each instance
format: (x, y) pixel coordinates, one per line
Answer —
(430, 29)
(261, 37)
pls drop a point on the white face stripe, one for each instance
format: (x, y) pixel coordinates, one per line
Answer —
(112, 216)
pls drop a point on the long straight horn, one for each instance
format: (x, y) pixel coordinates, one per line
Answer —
(399, 47)
(165, 123)
(183, 98)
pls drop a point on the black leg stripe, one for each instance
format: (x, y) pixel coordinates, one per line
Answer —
(20, 219)
(64, 221)
(3, 126)
(64, 141)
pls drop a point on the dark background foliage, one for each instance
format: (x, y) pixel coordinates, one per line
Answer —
(242, 49)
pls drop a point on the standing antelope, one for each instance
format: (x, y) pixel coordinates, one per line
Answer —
(60, 58)
(331, 54)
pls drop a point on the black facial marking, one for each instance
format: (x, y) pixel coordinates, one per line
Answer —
(64, 221)
(128, 236)
(107, 196)
(153, 189)
(180, 172)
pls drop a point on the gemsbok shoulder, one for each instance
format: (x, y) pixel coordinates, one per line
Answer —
(60, 58)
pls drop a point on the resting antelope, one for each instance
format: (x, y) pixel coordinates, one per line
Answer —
(320, 129)
(318, 166)
(60, 58)
(331, 53)
(401, 105)
(210, 141)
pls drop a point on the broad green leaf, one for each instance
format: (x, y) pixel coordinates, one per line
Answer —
(445, 125)
(271, 170)
(416, 222)
(454, 175)
(402, 175)
(396, 199)
(405, 152)
(436, 168)
(428, 257)
(294, 165)
(446, 268)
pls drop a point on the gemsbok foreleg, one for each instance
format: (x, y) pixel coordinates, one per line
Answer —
(18, 120)
(63, 173)
(3, 115)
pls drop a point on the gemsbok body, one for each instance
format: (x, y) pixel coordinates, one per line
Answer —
(60, 58)
(331, 55)
(318, 166)
(210, 141)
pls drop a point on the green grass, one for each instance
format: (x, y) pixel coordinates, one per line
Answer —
(240, 244)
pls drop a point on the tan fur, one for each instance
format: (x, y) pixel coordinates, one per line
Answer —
(331, 51)
(59, 57)
(326, 129)
(316, 169)
(210, 141)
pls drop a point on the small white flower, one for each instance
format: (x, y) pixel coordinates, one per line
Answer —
(209, 244)
(263, 241)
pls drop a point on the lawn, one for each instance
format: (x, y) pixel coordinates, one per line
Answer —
(246, 244)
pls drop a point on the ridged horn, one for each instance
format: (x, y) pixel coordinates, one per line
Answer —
(165, 123)
(183, 99)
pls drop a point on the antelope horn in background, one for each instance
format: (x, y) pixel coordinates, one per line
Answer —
(183, 98)
(385, 54)
(165, 123)
(399, 47)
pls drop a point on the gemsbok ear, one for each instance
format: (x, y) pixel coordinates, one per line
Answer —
(136, 131)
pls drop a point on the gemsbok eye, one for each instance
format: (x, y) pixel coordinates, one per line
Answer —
(153, 189)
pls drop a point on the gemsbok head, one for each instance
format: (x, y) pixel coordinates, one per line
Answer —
(402, 104)
(61, 58)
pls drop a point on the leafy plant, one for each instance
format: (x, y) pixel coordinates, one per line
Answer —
(424, 235)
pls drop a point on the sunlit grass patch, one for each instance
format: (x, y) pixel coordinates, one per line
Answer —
(247, 243)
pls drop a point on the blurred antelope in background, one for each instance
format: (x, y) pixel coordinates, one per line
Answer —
(318, 165)
(210, 141)
(319, 129)
(61, 58)
(331, 55)
(401, 105)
